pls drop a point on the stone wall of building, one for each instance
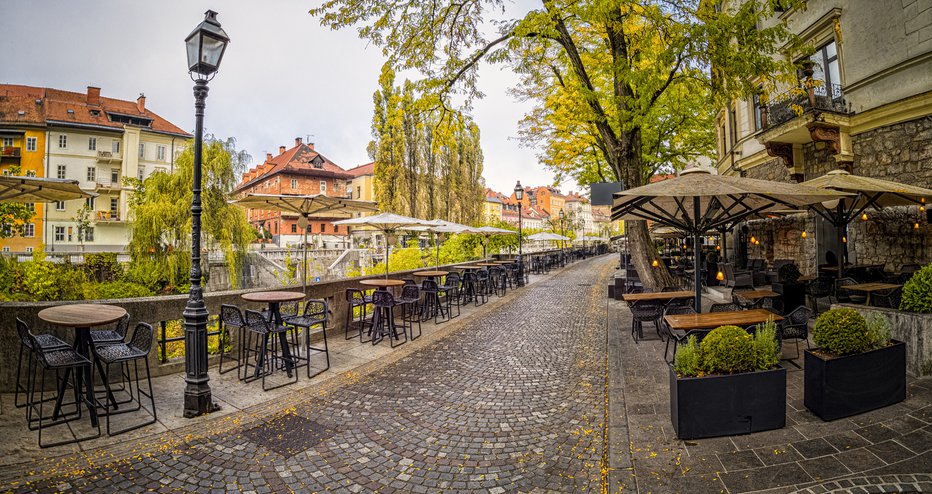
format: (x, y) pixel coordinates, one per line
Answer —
(817, 159)
(781, 238)
(901, 152)
(889, 237)
(771, 170)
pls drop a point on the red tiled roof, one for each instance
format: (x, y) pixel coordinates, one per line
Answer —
(367, 169)
(659, 178)
(55, 104)
(296, 160)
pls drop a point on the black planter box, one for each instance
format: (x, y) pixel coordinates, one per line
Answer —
(727, 405)
(853, 384)
(792, 295)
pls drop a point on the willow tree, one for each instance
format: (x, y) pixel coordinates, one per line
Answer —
(160, 209)
(629, 69)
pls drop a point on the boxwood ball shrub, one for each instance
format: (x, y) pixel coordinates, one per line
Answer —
(917, 292)
(728, 350)
(842, 331)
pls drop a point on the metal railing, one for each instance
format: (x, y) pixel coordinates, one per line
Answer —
(10, 151)
(797, 101)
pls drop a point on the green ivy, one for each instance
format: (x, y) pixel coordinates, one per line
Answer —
(917, 292)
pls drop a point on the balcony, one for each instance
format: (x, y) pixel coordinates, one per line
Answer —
(10, 153)
(108, 216)
(108, 157)
(102, 184)
(798, 101)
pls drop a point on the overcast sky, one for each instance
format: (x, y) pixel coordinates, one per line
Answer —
(283, 75)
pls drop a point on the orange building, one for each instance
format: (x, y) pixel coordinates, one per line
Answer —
(300, 170)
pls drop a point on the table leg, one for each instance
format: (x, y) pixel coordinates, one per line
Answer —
(82, 344)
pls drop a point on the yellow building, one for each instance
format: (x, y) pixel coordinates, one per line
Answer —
(492, 207)
(362, 187)
(22, 130)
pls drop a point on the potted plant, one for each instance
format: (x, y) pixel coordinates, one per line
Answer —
(792, 292)
(857, 366)
(728, 384)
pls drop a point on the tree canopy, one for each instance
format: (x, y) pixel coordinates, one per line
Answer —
(622, 87)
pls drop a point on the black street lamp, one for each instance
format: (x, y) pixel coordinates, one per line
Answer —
(205, 46)
(562, 242)
(519, 195)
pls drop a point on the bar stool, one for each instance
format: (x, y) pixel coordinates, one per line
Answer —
(410, 303)
(122, 354)
(46, 342)
(357, 319)
(314, 316)
(384, 319)
(435, 297)
(231, 316)
(266, 360)
(451, 285)
(58, 359)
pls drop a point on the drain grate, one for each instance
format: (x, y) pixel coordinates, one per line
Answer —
(289, 434)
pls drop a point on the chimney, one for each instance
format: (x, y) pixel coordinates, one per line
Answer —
(297, 141)
(93, 96)
(281, 149)
(268, 157)
(141, 103)
(310, 145)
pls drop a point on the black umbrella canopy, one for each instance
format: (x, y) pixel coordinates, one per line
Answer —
(698, 201)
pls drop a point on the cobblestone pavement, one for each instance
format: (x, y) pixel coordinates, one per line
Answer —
(886, 450)
(514, 400)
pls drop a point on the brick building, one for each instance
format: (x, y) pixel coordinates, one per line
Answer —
(300, 170)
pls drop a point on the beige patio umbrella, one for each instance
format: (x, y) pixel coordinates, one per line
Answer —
(441, 228)
(35, 189)
(866, 192)
(387, 223)
(306, 206)
(697, 202)
(487, 232)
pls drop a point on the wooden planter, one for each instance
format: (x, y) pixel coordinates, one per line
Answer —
(853, 384)
(727, 405)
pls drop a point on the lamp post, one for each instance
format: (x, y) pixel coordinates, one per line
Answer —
(205, 46)
(519, 195)
(562, 242)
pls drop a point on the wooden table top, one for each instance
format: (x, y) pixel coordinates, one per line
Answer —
(82, 315)
(708, 320)
(871, 287)
(275, 296)
(487, 264)
(634, 297)
(431, 274)
(472, 267)
(381, 282)
(756, 294)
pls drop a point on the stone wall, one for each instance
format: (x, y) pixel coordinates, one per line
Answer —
(781, 238)
(901, 152)
(889, 237)
(817, 159)
(911, 328)
(772, 170)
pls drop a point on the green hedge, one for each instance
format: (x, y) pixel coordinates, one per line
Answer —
(917, 292)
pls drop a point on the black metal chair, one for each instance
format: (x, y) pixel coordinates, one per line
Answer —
(497, 282)
(645, 311)
(681, 302)
(889, 299)
(231, 317)
(384, 319)
(668, 289)
(795, 326)
(266, 359)
(843, 295)
(122, 354)
(410, 303)
(740, 301)
(46, 342)
(821, 287)
(66, 363)
(483, 286)
(115, 335)
(357, 314)
(314, 316)
(437, 303)
(451, 285)
(672, 335)
(724, 307)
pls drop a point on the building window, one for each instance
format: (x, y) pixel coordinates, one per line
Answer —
(115, 176)
(323, 186)
(358, 192)
(59, 234)
(89, 234)
(91, 173)
(733, 125)
(825, 65)
(61, 171)
(7, 142)
(31, 143)
(294, 183)
(29, 230)
(160, 153)
(89, 203)
(6, 249)
(141, 172)
(31, 206)
(29, 250)
(336, 228)
(722, 144)
(59, 205)
(114, 204)
(294, 228)
(30, 173)
(62, 141)
(142, 150)
(92, 144)
(756, 109)
(116, 146)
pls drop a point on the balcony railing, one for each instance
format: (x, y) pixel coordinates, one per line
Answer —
(10, 152)
(108, 216)
(797, 101)
(109, 184)
(108, 156)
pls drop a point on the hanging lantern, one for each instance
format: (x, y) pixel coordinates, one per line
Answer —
(718, 247)
(655, 263)
(864, 216)
(844, 240)
(720, 276)
(804, 234)
(916, 225)
(922, 209)
(753, 239)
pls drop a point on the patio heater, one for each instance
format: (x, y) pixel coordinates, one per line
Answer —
(519, 195)
(205, 46)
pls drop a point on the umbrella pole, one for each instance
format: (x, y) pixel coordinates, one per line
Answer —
(839, 237)
(388, 248)
(697, 271)
(304, 262)
(437, 244)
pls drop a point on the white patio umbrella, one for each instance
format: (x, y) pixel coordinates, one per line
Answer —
(306, 206)
(35, 189)
(543, 236)
(387, 223)
(697, 202)
(487, 232)
(440, 228)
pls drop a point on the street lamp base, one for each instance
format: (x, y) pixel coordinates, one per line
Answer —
(198, 400)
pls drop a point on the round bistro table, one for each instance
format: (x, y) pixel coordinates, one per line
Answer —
(82, 317)
(275, 299)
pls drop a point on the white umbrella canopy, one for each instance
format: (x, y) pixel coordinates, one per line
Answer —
(697, 202)
(387, 223)
(306, 206)
(487, 232)
(441, 227)
(544, 236)
(35, 189)
(590, 238)
(866, 193)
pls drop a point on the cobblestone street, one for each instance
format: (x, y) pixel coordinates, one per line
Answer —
(514, 399)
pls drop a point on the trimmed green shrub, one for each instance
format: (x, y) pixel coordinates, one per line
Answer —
(878, 329)
(842, 331)
(728, 350)
(789, 273)
(917, 292)
(687, 358)
(766, 348)
(115, 289)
